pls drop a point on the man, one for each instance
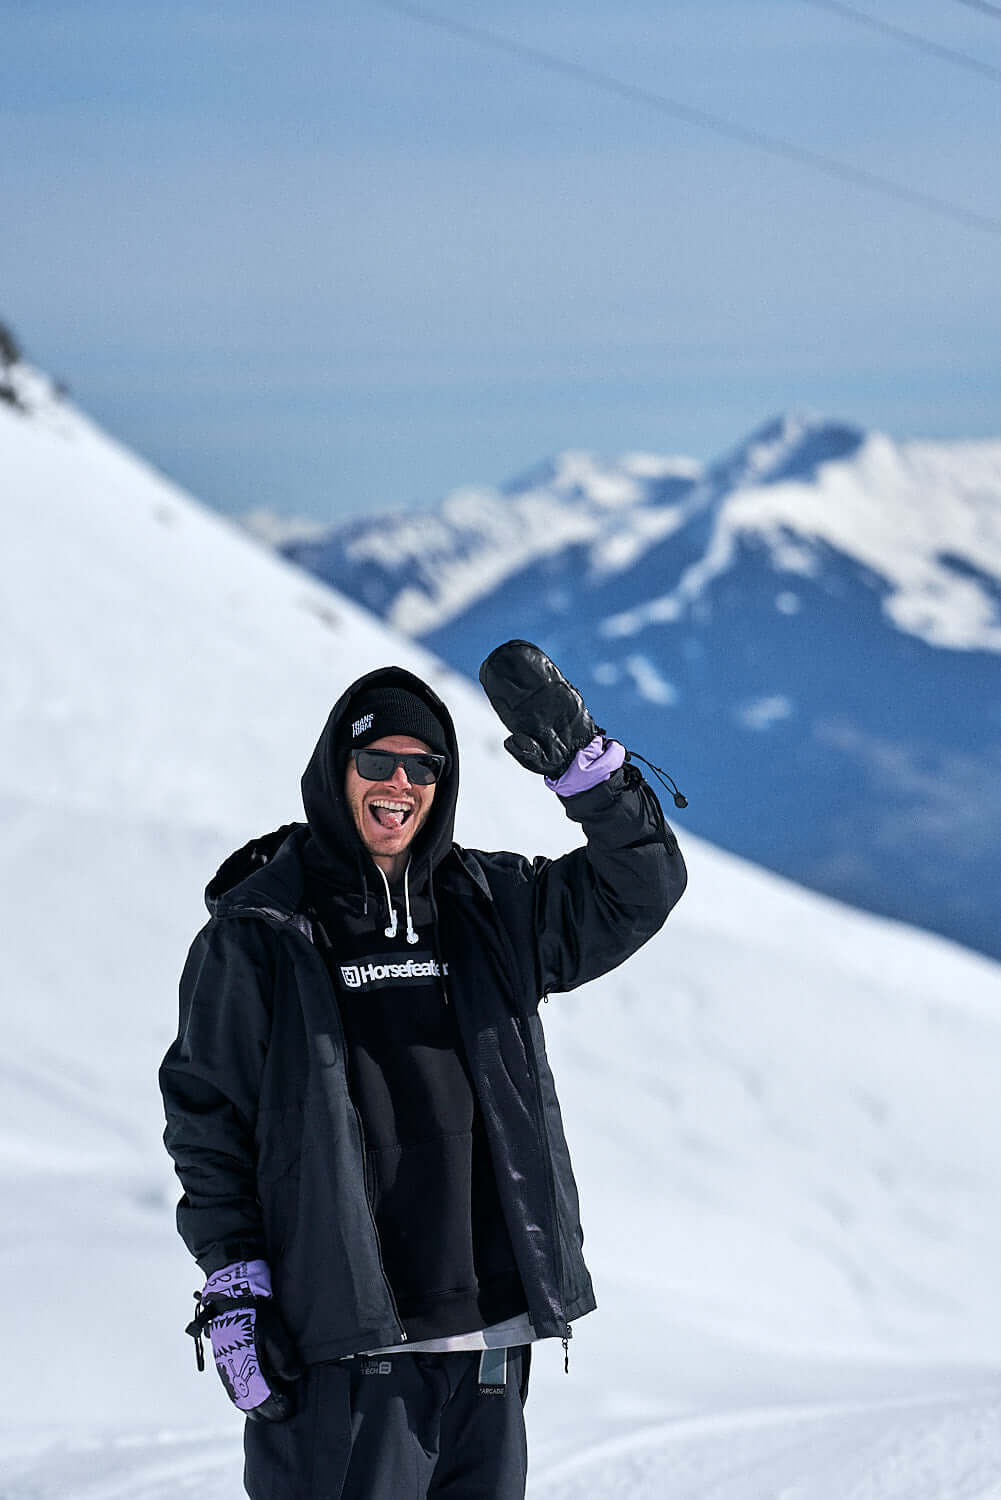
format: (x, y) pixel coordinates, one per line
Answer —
(360, 1110)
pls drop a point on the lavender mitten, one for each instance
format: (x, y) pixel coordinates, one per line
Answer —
(589, 767)
(253, 1353)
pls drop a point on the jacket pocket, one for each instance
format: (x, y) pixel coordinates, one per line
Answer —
(279, 1142)
(280, 1134)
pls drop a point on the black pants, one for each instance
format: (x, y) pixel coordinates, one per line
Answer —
(397, 1427)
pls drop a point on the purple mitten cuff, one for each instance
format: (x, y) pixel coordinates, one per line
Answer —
(234, 1346)
(244, 1278)
(591, 766)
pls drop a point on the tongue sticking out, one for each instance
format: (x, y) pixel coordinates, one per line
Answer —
(388, 817)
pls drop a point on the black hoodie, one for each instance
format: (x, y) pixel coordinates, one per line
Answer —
(261, 1121)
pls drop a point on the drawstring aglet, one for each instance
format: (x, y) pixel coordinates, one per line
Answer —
(195, 1329)
(412, 936)
(680, 800)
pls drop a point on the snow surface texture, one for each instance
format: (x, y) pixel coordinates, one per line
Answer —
(783, 1112)
(805, 632)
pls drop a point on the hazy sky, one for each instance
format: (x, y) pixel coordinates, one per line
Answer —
(321, 257)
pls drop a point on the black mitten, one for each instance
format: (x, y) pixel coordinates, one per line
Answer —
(546, 715)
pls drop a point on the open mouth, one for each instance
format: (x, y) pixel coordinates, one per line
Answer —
(389, 814)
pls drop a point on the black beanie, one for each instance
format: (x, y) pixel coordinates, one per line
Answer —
(392, 710)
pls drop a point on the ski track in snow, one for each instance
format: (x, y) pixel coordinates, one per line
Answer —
(928, 1448)
(922, 1449)
(139, 1466)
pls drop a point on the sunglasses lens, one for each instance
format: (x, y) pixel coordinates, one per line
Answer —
(374, 765)
(380, 765)
(420, 768)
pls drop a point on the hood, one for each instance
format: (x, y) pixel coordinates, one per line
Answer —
(334, 839)
(265, 876)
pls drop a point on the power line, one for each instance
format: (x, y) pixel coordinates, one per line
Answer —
(759, 140)
(911, 38)
(983, 5)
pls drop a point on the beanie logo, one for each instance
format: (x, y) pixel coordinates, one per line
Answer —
(362, 725)
(351, 976)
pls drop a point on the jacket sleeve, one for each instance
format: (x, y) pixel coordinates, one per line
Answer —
(596, 906)
(210, 1081)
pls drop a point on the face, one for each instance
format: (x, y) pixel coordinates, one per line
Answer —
(389, 814)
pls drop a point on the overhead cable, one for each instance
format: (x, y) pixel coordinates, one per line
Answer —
(985, 6)
(758, 140)
(911, 38)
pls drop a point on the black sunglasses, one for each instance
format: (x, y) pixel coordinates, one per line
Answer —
(422, 767)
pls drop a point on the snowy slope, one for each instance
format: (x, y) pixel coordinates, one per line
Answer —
(806, 631)
(782, 1111)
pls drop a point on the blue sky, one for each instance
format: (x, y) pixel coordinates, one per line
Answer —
(322, 258)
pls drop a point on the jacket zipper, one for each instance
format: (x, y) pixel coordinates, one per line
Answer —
(371, 1214)
(548, 1165)
(551, 1185)
(361, 1138)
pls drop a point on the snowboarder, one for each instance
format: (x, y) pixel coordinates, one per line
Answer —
(375, 1178)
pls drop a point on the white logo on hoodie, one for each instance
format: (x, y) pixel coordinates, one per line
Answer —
(359, 976)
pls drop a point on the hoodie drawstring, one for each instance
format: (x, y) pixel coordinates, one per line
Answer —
(411, 934)
(394, 922)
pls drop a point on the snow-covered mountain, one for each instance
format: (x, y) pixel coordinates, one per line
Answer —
(782, 1111)
(807, 634)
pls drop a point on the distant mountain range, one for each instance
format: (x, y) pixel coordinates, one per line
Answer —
(807, 634)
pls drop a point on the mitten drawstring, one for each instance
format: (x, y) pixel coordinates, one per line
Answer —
(679, 799)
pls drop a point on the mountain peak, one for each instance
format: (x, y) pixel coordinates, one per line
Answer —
(792, 445)
(582, 476)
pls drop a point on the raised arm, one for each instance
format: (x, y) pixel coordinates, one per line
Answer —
(594, 907)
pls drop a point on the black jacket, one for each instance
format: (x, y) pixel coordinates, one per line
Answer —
(260, 1122)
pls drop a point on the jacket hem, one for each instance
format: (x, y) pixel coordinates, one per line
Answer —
(581, 1306)
(358, 1343)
